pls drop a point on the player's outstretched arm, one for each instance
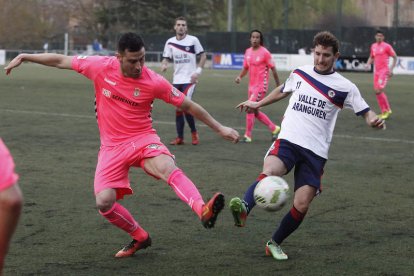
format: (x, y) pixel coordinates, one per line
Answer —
(53, 60)
(201, 114)
(274, 96)
(373, 120)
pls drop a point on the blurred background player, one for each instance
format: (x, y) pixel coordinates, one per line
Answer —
(379, 55)
(182, 50)
(258, 61)
(11, 201)
(125, 90)
(318, 93)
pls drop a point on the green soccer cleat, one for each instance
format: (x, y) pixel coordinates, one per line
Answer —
(385, 115)
(239, 211)
(274, 250)
(275, 133)
(246, 139)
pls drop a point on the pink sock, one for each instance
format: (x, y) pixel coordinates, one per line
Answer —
(385, 101)
(249, 124)
(122, 218)
(380, 100)
(186, 190)
(266, 121)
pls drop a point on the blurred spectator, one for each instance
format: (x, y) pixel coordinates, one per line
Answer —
(46, 47)
(96, 46)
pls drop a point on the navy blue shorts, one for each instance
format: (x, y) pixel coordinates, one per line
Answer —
(186, 88)
(308, 165)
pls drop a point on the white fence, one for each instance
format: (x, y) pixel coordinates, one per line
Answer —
(284, 62)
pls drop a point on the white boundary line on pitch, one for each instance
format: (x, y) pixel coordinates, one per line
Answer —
(201, 125)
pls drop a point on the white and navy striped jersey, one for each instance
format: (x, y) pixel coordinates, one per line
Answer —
(183, 53)
(316, 100)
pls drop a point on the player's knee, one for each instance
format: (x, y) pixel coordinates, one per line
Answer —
(13, 202)
(161, 166)
(274, 166)
(104, 205)
(167, 171)
(302, 205)
(105, 201)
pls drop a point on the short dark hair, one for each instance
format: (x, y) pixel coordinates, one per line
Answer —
(131, 42)
(180, 18)
(261, 35)
(326, 39)
(378, 31)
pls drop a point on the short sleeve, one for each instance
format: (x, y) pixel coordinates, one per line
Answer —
(89, 66)
(167, 51)
(269, 60)
(165, 91)
(371, 52)
(245, 63)
(355, 101)
(289, 84)
(390, 51)
(197, 46)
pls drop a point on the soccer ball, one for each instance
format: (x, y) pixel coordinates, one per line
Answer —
(271, 193)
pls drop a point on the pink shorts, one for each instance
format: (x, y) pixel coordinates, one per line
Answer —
(380, 80)
(256, 96)
(7, 175)
(114, 162)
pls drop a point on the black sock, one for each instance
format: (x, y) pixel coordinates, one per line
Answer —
(288, 225)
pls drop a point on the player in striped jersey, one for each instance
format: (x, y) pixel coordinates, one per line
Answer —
(318, 93)
(182, 50)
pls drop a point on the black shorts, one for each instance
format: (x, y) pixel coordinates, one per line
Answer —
(308, 165)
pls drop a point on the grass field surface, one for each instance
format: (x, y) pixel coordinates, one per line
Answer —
(362, 224)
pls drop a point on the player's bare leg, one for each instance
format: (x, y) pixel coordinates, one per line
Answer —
(11, 201)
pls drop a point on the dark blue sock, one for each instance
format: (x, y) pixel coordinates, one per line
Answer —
(191, 122)
(179, 123)
(288, 225)
(249, 197)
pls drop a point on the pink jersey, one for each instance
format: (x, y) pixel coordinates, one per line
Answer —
(123, 105)
(7, 175)
(258, 62)
(381, 53)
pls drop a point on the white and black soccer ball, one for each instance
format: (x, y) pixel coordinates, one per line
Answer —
(271, 193)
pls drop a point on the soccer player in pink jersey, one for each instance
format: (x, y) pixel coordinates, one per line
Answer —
(258, 61)
(125, 90)
(379, 55)
(10, 201)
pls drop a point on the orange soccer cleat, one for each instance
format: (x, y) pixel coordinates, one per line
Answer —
(211, 210)
(177, 141)
(130, 249)
(195, 138)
